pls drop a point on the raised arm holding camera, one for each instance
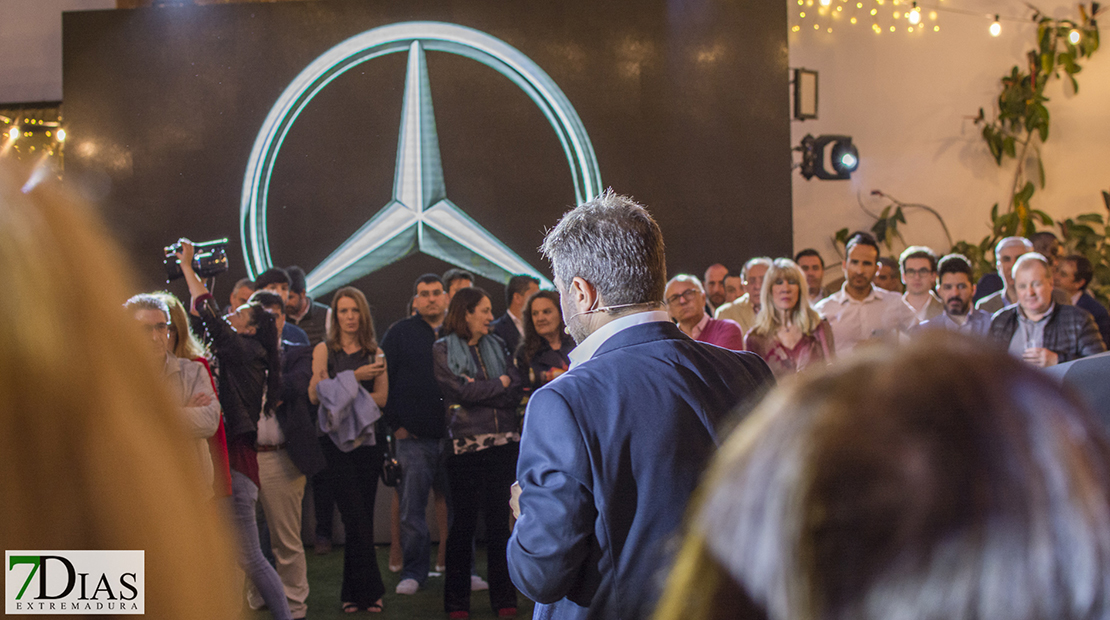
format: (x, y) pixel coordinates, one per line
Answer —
(245, 343)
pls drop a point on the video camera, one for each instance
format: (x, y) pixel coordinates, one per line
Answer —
(209, 259)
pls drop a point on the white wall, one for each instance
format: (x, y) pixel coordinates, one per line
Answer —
(904, 99)
(31, 47)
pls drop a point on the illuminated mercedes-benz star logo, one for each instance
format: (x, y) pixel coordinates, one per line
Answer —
(420, 217)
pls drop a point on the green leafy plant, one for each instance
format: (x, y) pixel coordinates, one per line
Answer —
(1022, 123)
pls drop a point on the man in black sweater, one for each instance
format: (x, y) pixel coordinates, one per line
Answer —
(415, 412)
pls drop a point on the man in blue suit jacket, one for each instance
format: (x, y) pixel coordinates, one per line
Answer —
(612, 449)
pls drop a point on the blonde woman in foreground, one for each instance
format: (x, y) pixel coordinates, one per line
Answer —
(92, 455)
(977, 491)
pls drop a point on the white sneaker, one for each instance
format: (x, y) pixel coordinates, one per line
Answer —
(409, 586)
(476, 584)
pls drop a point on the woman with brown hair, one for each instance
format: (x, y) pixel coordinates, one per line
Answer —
(92, 453)
(481, 389)
(350, 346)
(978, 490)
(544, 349)
(788, 333)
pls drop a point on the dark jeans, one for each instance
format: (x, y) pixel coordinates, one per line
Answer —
(356, 486)
(323, 494)
(480, 481)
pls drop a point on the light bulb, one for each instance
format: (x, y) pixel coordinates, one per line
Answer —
(915, 16)
(996, 28)
(825, 2)
(61, 135)
(897, 15)
(14, 133)
(1074, 36)
(853, 20)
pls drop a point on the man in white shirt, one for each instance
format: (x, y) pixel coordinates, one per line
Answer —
(919, 274)
(860, 311)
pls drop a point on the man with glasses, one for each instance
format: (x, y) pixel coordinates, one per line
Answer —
(919, 274)
(187, 381)
(686, 304)
(415, 412)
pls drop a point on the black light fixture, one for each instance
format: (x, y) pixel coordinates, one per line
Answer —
(843, 157)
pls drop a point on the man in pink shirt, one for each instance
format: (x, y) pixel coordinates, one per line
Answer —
(685, 299)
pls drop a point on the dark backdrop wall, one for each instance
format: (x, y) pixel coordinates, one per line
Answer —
(685, 102)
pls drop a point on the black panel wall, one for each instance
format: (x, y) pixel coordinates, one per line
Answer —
(686, 104)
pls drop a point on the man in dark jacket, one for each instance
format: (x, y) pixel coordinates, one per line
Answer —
(613, 448)
(415, 412)
(288, 453)
(1038, 330)
(510, 326)
(1073, 275)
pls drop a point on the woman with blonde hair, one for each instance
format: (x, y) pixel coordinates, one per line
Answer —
(788, 333)
(185, 344)
(351, 346)
(92, 454)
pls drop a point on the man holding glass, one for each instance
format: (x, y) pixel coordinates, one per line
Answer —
(1038, 330)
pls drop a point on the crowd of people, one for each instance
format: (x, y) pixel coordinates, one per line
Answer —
(588, 427)
(1037, 305)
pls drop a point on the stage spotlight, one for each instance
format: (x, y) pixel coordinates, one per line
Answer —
(843, 157)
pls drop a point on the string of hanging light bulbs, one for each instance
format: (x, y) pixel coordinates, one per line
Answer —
(908, 15)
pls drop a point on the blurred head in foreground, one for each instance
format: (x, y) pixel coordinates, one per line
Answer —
(91, 453)
(976, 491)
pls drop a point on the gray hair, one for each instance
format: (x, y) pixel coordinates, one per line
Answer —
(1008, 241)
(1026, 260)
(146, 301)
(752, 262)
(685, 277)
(613, 243)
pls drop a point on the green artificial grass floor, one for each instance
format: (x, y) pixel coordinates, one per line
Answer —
(325, 574)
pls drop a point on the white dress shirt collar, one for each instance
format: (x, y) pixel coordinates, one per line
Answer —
(586, 349)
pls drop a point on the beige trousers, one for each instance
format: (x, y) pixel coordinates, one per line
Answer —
(280, 495)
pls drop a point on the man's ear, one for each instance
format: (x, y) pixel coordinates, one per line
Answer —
(583, 294)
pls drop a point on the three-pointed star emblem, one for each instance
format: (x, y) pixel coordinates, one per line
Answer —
(420, 217)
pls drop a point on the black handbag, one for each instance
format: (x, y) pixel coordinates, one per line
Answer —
(391, 467)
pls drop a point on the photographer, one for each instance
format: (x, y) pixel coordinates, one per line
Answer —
(245, 344)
